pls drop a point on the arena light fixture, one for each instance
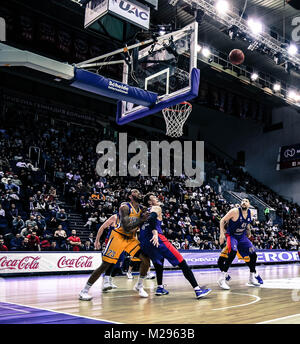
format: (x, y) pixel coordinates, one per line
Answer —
(255, 26)
(254, 76)
(292, 50)
(222, 6)
(292, 95)
(276, 87)
(206, 52)
(199, 48)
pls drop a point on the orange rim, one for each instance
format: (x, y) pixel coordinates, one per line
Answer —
(182, 103)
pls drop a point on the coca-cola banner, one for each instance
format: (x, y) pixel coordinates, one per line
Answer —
(29, 262)
(36, 262)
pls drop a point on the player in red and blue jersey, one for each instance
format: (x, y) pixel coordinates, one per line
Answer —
(157, 247)
(238, 222)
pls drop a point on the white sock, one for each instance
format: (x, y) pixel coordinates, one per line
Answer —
(197, 288)
(106, 278)
(160, 286)
(87, 287)
(140, 281)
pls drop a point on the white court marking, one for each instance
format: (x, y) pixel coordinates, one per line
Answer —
(282, 283)
(257, 298)
(277, 319)
(13, 309)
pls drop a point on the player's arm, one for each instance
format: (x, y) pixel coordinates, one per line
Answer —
(249, 227)
(224, 220)
(130, 223)
(109, 222)
(155, 211)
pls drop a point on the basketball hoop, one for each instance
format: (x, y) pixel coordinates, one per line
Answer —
(175, 117)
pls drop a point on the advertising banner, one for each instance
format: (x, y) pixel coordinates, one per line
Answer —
(289, 156)
(29, 262)
(204, 258)
(130, 11)
(40, 262)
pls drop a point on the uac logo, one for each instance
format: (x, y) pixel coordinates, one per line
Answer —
(125, 6)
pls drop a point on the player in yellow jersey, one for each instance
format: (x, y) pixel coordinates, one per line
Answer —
(123, 238)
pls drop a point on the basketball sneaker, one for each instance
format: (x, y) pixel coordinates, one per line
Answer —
(228, 278)
(84, 296)
(202, 292)
(129, 275)
(259, 279)
(253, 281)
(140, 290)
(161, 291)
(150, 275)
(112, 283)
(222, 283)
(106, 285)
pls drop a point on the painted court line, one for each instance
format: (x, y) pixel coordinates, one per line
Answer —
(277, 319)
(73, 315)
(14, 309)
(257, 298)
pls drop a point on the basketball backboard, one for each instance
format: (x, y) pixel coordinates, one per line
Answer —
(167, 67)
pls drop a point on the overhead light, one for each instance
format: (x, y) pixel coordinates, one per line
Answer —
(206, 52)
(222, 6)
(255, 26)
(198, 48)
(292, 50)
(254, 76)
(292, 95)
(276, 87)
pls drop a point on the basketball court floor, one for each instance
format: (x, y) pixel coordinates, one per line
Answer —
(54, 299)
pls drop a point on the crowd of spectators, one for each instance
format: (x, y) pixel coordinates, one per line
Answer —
(32, 216)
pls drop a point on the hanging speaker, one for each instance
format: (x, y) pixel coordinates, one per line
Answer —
(294, 3)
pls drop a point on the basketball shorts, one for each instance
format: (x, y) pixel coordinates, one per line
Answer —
(135, 259)
(241, 244)
(225, 251)
(165, 250)
(117, 243)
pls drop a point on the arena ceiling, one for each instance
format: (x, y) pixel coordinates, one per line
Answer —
(275, 14)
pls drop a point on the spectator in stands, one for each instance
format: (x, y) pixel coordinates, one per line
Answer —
(33, 241)
(16, 242)
(31, 221)
(25, 245)
(62, 219)
(74, 241)
(2, 212)
(60, 237)
(87, 246)
(26, 230)
(45, 244)
(2, 246)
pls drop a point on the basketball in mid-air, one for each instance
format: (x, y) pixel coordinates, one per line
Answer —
(236, 57)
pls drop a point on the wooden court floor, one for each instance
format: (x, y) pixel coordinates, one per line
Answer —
(276, 302)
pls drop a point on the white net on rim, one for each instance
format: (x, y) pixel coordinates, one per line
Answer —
(175, 117)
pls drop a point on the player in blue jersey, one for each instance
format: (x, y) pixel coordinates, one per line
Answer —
(238, 222)
(157, 247)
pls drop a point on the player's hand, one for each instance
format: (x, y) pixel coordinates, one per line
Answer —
(221, 238)
(154, 240)
(97, 245)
